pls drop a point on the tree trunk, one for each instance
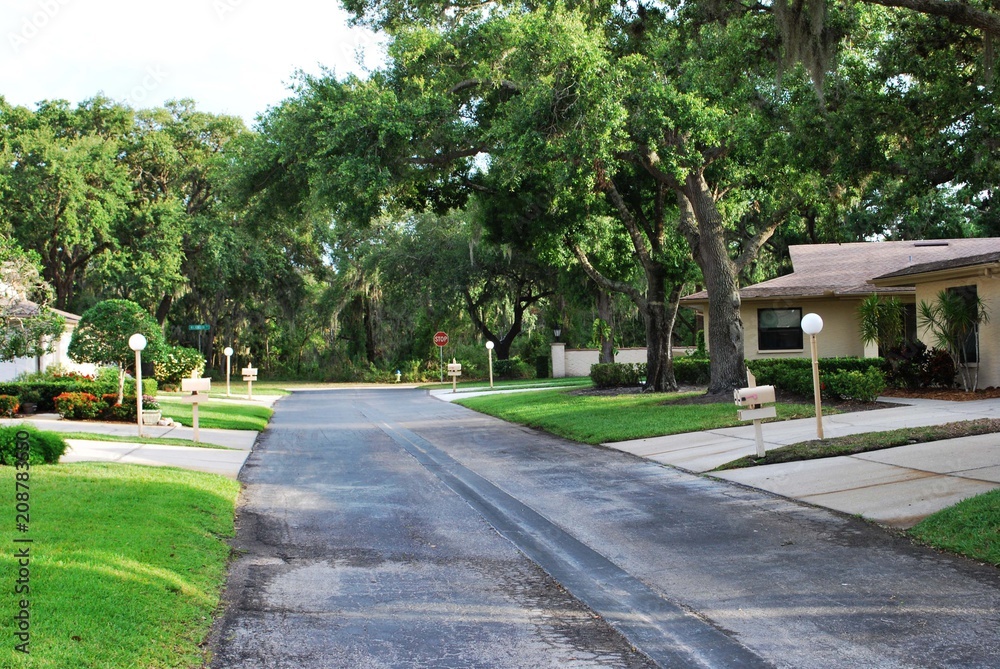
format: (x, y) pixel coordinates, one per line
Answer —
(725, 328)
(659, 319)
(606, 336)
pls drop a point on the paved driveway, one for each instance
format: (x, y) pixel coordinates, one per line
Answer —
(382, 528)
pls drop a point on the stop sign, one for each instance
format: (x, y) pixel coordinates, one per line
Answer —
(440, 338)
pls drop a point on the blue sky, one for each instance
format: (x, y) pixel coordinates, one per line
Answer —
(231, 56)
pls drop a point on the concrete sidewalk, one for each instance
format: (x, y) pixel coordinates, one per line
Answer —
(896, 486)
(226, 461)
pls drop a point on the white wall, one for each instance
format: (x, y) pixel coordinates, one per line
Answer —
(577, 361)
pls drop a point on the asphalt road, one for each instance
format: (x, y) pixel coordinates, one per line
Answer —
(383, 528)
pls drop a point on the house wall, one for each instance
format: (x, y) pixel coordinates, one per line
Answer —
(988, 289)
(840, 336)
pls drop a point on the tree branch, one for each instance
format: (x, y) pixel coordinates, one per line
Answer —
(615, 286)
(958, 13)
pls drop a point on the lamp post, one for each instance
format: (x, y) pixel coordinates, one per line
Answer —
(137, 343)
(229, 357)
(489, 352)
(556, 332)
(812, 325)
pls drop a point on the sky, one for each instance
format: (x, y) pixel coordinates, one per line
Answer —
(233, 57)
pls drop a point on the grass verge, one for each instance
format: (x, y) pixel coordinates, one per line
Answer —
(222, 415)
(597, 419)
(157, 441)
(862, 443)
(970, 528)
(567, 382)
(127, 565)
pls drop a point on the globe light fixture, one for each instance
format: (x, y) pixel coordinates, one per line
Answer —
(489, 352)
(228, 351)
(137, 343)
(812, 325)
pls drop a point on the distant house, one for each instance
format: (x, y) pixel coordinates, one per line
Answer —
(832, 280)
(11, 368)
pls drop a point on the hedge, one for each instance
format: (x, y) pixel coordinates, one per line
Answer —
(617, 374)
(43, 447)
(842, 378)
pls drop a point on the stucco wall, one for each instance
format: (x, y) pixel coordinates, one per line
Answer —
(11, 368)
(988, 289)
(840, 336)
(577, 361)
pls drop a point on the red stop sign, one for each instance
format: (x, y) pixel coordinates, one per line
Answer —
(440, 338)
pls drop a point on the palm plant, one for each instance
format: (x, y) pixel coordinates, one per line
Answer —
(953, 320)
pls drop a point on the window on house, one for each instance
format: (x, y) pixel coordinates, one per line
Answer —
(970, 296)
(779, 329)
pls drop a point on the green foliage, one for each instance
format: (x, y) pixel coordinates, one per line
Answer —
(9, 404)
(43, 447)
(855, 376)
(881, 321)
(617, 374)
(179, 362)
(79, 406)
(913, 365)
(27, 327)
(40, 392)
(853, 385)
(953, 320)
(512, 368)
(692, 371)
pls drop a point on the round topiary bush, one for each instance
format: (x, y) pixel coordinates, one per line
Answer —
(43, 447)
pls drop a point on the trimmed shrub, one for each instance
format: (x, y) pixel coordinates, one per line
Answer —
(512, 368)
(39, 392)
(794, 375)
(9, 404)
(853, 385)
(124, 412)
(617, 374)
(178, 362)
(43, 447)
(692, 371)
(76, 406)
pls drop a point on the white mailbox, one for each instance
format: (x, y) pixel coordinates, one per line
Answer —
(249, 373)
(196, 385)
(454, 369)
(748, 397)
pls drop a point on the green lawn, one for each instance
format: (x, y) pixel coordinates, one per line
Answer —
(596, 419)
(223, 415)
(568, 382)
(127, 564)
(970, 528)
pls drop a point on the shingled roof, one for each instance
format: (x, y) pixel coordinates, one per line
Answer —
(833, 270)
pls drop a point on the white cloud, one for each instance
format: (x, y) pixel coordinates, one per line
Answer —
(230, 56)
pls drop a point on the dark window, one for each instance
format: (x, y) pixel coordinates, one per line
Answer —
(779, 329)
(970, 296)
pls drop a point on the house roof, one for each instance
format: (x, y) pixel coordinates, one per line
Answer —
(941, 265)
(845, 270)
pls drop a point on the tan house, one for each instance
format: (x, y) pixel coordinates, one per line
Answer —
(832, 280)
(977, 276)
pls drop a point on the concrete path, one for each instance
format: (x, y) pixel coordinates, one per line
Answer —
(897, 486)
(226, 461)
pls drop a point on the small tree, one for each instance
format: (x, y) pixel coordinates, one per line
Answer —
(102, 336)
(953, 320)
(27, 327)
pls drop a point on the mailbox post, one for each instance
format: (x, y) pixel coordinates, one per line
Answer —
(454, 371)
(250, 375)
(195, 387)
(753, 400)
